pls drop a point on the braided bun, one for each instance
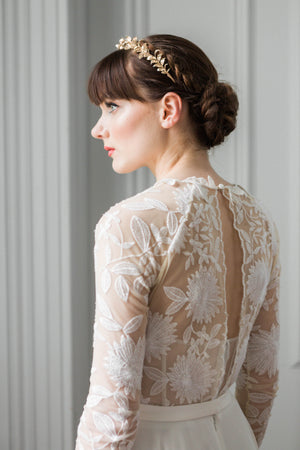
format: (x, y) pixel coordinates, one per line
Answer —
(214, 113)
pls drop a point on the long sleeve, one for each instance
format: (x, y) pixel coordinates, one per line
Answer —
(160, 318)
(257, 382)
(124, 273)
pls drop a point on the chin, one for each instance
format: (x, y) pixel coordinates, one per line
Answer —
(124, 169)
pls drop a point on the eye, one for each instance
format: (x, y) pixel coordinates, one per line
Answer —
(111, 106)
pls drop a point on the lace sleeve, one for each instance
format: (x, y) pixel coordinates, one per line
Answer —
(124, 272)
(257, 382)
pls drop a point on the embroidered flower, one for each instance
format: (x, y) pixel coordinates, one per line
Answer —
(257, 282)
(183, 198)
(262, 351)
(160, 335)
(124, 363)
(203, 296)
(191, 378)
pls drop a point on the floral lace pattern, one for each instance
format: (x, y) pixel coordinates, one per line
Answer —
(161, 321)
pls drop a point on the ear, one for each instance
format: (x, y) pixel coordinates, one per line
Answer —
(170, 109)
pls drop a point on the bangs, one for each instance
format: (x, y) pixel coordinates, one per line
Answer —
(110, 79)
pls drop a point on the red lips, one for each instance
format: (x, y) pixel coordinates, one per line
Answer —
(110, 150)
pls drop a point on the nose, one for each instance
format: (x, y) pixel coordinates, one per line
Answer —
(99, 131)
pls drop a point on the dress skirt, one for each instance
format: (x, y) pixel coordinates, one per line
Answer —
(214, 425)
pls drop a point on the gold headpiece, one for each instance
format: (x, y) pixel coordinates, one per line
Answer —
(157, 60)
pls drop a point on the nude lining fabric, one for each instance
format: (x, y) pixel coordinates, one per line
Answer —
(187, 285)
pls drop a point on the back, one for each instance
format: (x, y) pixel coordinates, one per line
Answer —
(187, 287)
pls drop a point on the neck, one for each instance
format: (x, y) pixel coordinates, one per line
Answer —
(183, 164)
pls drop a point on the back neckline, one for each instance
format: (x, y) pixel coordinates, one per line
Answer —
(209, 182)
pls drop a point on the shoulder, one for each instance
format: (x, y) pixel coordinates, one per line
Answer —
(151, 206)
(267, 218)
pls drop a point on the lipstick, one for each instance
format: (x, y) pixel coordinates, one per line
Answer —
(110, 150)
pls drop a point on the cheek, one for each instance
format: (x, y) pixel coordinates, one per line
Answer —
(125, 129)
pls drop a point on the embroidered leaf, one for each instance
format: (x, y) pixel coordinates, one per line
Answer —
(245, 235)
(178, 296)
(213, 343)
(158, 386)
(215, 330)
(172, 223)
(140, 286)
(101, 391)
(187, 263)
(104, 424)
(175, 294)
(121, 400)
(218, 267)
(133, 324)
(116, 417)
(161, 235)
(93, 400)
(126, 268)
(148, 269)
(174, 308)
(187, 334)
(109, 324)
(143, 260)
(105, 280)
(141, 232)
(157, 204)
(259, 397)
(240, 217)
(103, 308)
(155, 231)
(154, 374)
(127, 245)
(138, 206)
(107, 254)
(217, 248)
(122, 288)
(115, 239)
(215, 221)
(252, 411)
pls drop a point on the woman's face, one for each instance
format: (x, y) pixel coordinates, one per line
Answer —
(131, 132)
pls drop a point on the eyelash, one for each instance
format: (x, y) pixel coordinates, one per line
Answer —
(110, 105)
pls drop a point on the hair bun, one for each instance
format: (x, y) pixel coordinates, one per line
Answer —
(216, 111)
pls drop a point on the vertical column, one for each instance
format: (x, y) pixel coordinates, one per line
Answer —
(36, 388)
(4, 346)
(242, 75)
(294, 183)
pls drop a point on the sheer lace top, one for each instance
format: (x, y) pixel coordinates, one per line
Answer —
(187, 280)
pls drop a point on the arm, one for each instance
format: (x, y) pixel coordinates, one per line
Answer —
(257, 382)
(124, 272)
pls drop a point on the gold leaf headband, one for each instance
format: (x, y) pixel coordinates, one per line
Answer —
(157, 60)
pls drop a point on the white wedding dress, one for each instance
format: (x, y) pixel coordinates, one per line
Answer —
(187, 282)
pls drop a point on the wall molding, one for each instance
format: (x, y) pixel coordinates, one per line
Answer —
(242, 64)
(4, 344)
(35, 196)
(294, 185)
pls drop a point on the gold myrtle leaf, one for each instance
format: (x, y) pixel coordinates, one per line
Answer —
(157, 60)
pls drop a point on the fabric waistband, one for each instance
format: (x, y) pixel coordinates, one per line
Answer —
(156, 413)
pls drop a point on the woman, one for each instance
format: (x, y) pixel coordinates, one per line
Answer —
(187, 271)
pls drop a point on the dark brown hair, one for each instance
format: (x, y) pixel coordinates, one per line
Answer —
(212, 104)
